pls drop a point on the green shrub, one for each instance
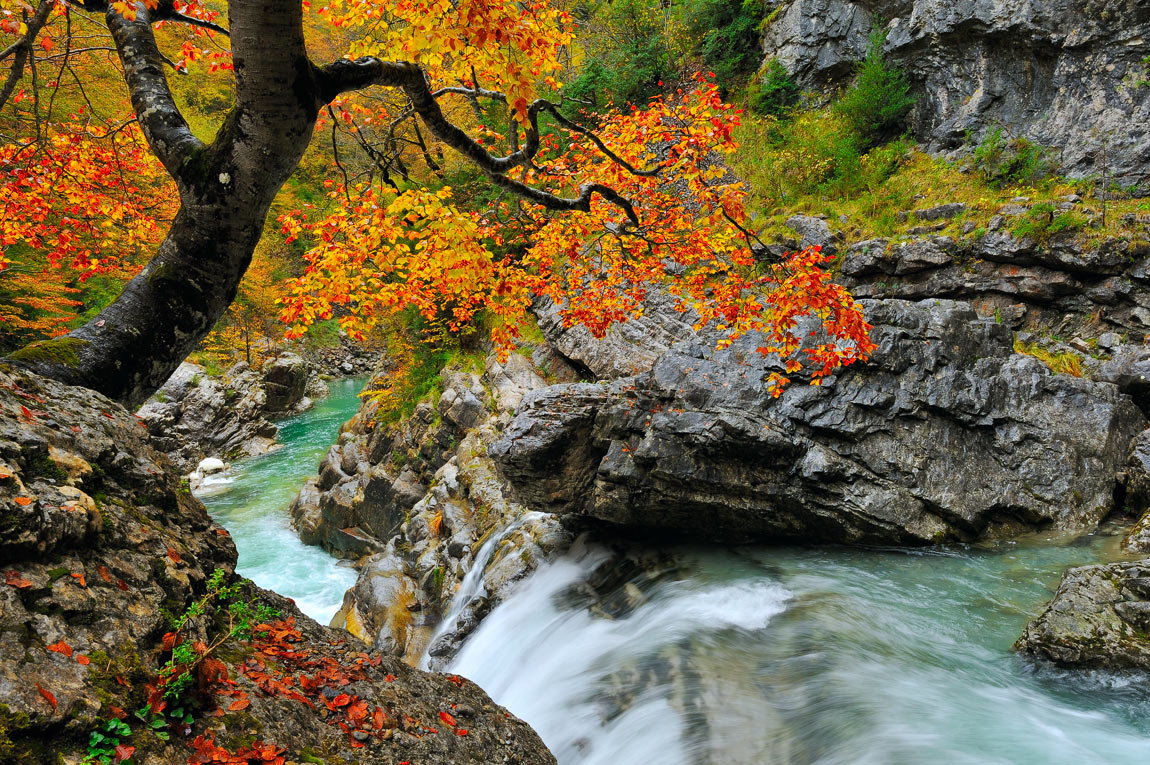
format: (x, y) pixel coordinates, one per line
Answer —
(877, 104)
(728, 36)
(775, 92)
(1043, 222)
(1001, 160)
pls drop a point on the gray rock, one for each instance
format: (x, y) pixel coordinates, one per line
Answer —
(813, 232)
(944, 434)
(941, 212)
(1058, 72)
(1098, 617)
(285, 382)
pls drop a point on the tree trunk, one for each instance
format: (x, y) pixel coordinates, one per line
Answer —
(131, 348)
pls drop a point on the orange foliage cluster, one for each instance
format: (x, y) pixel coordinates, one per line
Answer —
(383, 252)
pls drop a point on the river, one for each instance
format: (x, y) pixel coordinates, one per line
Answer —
(751, 655)
(251, 501)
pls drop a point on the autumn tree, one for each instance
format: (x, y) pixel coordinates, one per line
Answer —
(604, 212)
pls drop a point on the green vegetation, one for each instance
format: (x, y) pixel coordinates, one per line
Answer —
(876, 105)
(1044, 222)
(1002, 161)
(1062, 363)
(774, 92)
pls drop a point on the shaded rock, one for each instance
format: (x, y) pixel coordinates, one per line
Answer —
(1098, 617)
(944, 434)
(285, 381)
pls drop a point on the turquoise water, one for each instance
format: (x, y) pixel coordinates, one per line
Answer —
(805, 655)
(752, 655)
(251, 500)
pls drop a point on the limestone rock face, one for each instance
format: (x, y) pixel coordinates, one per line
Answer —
(1064, 73)
(1099, 617)
(100, 545)
(421, 508)
(945, 434)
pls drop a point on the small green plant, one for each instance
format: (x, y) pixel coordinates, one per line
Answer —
(239, 618)
(105, 744)
(1001, 160)
(877, 104)
(1060, 362)
(775, 92)
(1044, 221)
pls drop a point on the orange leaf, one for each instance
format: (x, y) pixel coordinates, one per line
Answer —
(83, 659)
(47, 696)
(105, 574)
(447, 719)
(240, 703)
(175, 556)
(461, 731)
(80, 578)
(61, 647)
(342, 700)
(123, 752)
(23, 501)
(13, 579)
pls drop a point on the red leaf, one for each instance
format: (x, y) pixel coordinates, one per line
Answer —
(377, 718)
(80, 578)
(121, 584)
(240, 703)
(175, 556)
(123, 752)
(117, 713)
(26, 413)
(61, 647)
(168, 641)
(83, 659)
(461, 731)
(342, 700)
(22, 501)
(13, 579)
(447, 719)
(47, 696)
(105, 574)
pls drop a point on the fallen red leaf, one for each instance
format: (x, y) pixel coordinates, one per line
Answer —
(80, 578)
(447, 719)
(342, 700)
(61, 647)
(26, 413)
(117, 713)
(121, 584)
(22, 501)
(240, 703)
(13, 579)
(168, 641)
(175, 556)
(82, 659)
(47, 696)
(105, 574)
(461, 731)
(123, 752)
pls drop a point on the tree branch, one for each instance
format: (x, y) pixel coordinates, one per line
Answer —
(344, 76)
(168, 134)
(22, 48)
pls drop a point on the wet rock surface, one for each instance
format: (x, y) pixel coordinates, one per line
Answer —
(415, 503)
(945, 434)
(1099, 617)
(101, 546)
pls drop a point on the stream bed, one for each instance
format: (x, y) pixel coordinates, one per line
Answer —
(763, 655)
(750, 655)
(251, 501)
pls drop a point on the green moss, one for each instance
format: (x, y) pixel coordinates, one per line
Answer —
(43, 465)
(60, 350)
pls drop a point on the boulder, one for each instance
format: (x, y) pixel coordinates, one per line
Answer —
(945, 434)
(285, 381)
(1099, 618)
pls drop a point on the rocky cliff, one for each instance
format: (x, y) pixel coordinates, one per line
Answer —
(112, 571)
(1070, 74)
(945, 434)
